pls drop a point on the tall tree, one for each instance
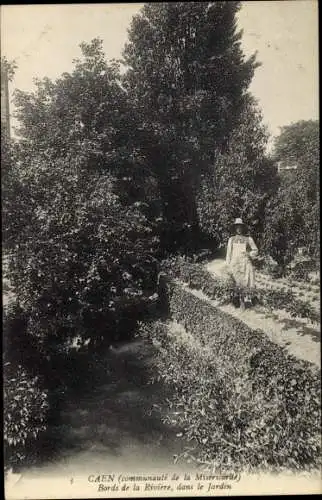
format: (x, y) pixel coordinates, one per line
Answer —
(188, 77)
(7, 181)
(241, 181)
(82, 237)
(87, 113)
(299, 145)
(293, 217)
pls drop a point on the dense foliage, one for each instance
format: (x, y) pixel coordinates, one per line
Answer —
(110, 173)
(242, 401)
(189, 79)
(82, 257)
(293, 215)
(26, 406)
(241, 181)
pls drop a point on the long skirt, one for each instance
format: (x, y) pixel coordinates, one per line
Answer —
(243, 272)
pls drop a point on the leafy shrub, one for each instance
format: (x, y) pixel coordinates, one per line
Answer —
(300, 270)
(195, 275)
(269, 266)
(202, 255)
(81, 260)
(25, 412)
(242, 401)
(18, 347)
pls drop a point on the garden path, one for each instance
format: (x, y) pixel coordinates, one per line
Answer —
(108, 427)
(299, 336)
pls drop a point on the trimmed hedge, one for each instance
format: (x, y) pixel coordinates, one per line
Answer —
(196, 276)
(245, 401)
(201, 317)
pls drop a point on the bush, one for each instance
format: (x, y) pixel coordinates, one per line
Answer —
(25, 413)
(195, 275)
(81, 259)
(20, 348)
(242, 401)
(300, 270)
(267, 265)
(36, 379)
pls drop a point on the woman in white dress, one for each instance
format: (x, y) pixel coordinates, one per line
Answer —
(241, 250)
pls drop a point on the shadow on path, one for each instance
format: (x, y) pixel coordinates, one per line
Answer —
(110, 424)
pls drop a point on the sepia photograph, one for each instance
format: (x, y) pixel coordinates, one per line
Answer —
(160, 249)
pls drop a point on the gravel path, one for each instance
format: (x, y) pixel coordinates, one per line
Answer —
(299, 336)
(108, 428)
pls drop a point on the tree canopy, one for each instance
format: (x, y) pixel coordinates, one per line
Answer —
(299, 145)
(113, 170)
(189, 79)
(293, 215)
(77, 221)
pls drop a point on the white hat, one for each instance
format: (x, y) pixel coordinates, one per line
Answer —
(239, 221)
